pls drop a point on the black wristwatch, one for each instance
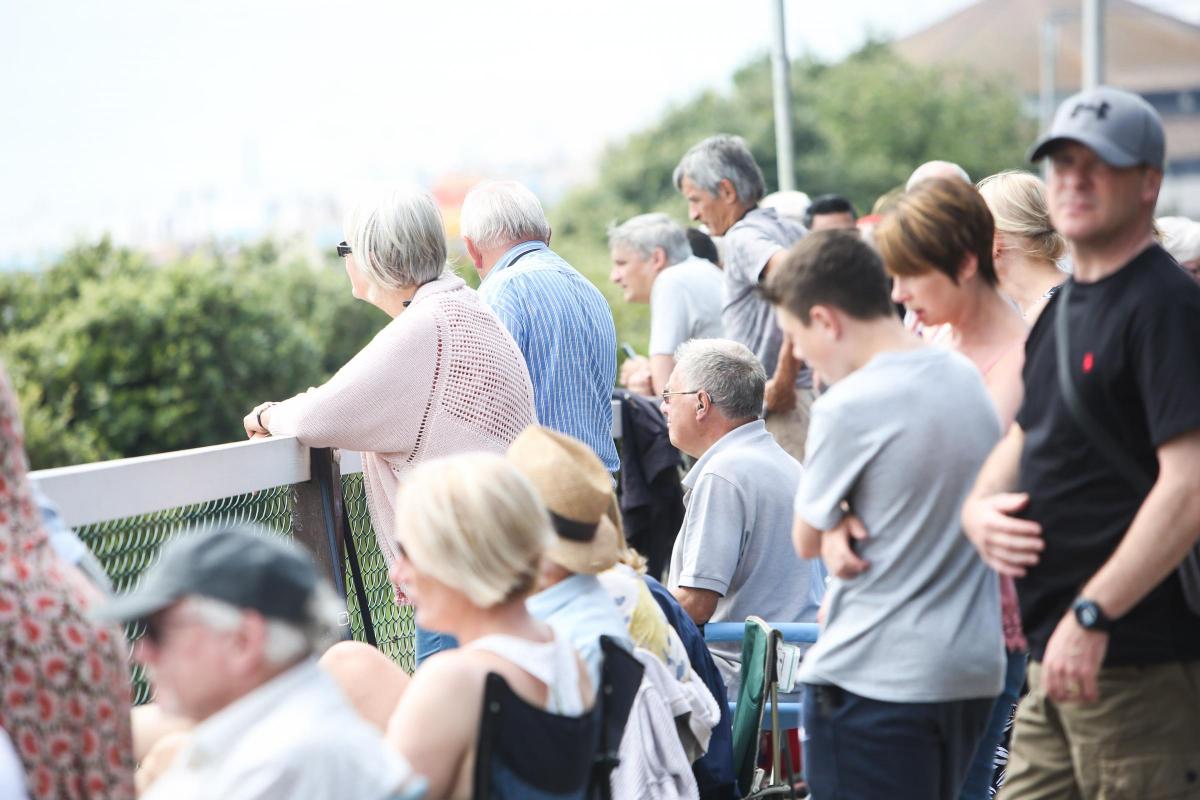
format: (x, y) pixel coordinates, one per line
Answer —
(1090, 615)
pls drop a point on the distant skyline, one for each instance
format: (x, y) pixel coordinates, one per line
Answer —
(151, 119)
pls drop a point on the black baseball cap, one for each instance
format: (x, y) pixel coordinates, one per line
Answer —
(258, 571)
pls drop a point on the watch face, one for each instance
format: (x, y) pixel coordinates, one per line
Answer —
(1088, 616)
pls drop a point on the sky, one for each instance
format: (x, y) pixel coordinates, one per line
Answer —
(152, 119)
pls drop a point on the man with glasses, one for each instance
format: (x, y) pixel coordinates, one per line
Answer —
(734, 555)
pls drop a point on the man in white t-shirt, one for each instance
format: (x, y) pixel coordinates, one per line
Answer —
(653, 263)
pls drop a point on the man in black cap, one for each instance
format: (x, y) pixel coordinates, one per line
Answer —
(1092, 500)
(233, 623)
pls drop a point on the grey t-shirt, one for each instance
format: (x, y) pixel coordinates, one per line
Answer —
(685, 303)
(901, 441)
(736, 538)
(749, 319)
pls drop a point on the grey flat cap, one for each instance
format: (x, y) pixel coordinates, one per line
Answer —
(1121, 127)
(260, 572)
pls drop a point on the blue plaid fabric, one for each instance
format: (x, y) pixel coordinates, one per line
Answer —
(564, 328)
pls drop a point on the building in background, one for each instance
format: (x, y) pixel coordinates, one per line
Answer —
(1153, 54)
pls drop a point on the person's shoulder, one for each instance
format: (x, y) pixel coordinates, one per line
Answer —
(1158, 282)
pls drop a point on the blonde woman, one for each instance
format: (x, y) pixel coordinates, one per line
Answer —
(471, 536)
(1026, 249)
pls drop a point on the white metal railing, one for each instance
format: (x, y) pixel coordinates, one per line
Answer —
(126, 487)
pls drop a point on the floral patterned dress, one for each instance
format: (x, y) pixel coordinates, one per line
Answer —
(64, 680)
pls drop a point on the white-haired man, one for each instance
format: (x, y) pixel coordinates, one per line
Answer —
(561, 322)
(1092, 499)
(723, 186)
(233, 623)
(936, 169)
(685, 300)
(734, 554)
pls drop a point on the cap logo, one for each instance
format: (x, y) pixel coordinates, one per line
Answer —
(1100, 110)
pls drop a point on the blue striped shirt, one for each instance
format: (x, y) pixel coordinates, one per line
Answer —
(564, 328)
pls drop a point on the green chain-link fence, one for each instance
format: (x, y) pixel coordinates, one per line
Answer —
(126, 547)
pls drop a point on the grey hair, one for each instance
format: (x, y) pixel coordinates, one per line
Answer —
(646, 232)
(728, 371)
(398, 240)
(722, 157)
(936, 169)
(497, 213)
(286, 642)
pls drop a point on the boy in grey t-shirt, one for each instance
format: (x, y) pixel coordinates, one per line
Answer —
(900, 684)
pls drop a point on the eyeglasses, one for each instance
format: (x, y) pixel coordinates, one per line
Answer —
(666, 396)
(343, 250)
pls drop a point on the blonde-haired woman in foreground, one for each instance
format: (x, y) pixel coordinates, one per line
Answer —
(471, 534)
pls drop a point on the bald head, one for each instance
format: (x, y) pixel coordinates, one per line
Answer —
(936, 169)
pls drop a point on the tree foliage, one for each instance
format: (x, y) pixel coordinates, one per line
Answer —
(859, 128)
(113, 356)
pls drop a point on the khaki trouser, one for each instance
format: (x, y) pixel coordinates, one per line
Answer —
(1140, 741)
(791, 429)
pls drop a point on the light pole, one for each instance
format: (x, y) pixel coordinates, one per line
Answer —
(1093, 43)
(784, 161)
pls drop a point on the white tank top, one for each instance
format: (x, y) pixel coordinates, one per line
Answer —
(554, 663)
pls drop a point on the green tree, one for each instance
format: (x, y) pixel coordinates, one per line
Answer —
(860, 127)
(139, 359)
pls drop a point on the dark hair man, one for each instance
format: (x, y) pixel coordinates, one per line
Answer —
(1115, 652)
(831, 212)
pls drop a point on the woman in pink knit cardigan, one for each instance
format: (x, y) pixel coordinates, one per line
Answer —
(443, 377)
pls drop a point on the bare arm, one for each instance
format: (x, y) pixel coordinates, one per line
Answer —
(1007, 543)
(660, 371)
(433, 742)
(806, 539)
(1165, 529)
(698, 603)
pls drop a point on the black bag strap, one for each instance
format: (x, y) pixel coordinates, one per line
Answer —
(1108, 446)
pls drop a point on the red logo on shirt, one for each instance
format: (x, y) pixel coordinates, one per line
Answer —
(1088, 362)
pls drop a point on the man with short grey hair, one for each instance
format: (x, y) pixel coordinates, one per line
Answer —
(560, 321)
(734, 554)
(723, 186)
(685, 300)
(233, 623)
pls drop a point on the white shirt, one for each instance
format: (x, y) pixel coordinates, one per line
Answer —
(685, 303)
(293, 738)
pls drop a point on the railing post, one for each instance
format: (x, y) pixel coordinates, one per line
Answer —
(317, 517)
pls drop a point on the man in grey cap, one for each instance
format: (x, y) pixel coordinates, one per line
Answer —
(1092, 500)
(233, 621)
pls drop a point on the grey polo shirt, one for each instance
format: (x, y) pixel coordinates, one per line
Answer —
(736, 537)
(749, 244)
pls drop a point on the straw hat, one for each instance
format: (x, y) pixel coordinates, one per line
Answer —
(578, 492)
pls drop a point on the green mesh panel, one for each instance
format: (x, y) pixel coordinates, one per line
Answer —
(126, 547)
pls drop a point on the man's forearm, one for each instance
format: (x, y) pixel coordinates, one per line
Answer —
(1165, 529)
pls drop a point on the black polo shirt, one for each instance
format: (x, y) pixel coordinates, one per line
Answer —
(1135, 359)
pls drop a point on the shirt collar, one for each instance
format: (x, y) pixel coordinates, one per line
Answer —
(742, 434)
(220, 733)
(514, 253)
(554, 599)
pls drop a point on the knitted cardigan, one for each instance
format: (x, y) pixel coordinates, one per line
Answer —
(443, 377)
